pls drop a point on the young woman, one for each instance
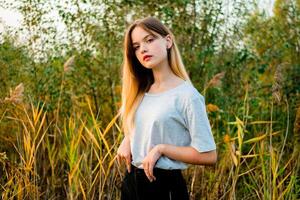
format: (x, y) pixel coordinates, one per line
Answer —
(163, 116)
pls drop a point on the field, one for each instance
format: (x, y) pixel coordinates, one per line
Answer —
(60, 95)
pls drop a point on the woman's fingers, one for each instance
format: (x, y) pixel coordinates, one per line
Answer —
(119, 159)
(149, 162)
(126, 159)
(148, 168)
(124, 153)
(151, 172)
(128, 164)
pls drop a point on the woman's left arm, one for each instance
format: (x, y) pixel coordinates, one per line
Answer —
(181, 153)
(188, 154)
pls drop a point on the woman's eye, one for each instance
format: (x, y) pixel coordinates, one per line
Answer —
(135, 48)
(150, 40)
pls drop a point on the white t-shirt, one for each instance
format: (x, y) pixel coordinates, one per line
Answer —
(176, 116)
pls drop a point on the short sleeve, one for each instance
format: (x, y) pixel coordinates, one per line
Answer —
(198, 125)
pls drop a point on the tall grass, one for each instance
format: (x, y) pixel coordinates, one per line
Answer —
(76, 161)
(75, 157)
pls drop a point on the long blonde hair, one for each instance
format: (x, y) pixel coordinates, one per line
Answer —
(136, 79)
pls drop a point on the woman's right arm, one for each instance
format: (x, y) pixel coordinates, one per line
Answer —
(124, 153)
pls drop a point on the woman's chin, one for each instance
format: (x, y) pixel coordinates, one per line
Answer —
(148, 66)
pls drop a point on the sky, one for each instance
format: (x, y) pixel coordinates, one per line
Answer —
(9, 18)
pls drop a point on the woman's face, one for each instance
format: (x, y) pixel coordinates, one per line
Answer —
(150, 49)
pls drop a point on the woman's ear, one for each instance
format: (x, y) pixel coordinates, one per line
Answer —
(169, 41)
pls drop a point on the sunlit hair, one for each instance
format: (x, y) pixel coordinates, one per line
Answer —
(136, 79)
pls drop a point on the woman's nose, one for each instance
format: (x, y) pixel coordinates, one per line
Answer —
(143, 48)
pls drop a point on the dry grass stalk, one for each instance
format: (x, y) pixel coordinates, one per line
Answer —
(16, 95)
(216, 80)
(297, 132)
(231, 148)
(69, 64)
(277, 85)
(3, 157)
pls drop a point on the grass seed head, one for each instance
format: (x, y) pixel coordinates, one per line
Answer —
(69, 64)
(277, 85)
(16, 95)
(216, 80)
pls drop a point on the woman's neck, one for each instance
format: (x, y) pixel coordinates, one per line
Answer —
(164, 78)
(163, 73)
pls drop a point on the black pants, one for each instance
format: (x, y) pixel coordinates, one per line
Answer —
(169, 185)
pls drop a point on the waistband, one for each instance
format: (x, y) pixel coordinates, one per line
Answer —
(156, 170)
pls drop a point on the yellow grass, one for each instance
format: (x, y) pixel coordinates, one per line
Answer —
(75, 158)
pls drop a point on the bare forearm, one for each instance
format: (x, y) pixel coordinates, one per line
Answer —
(188, 154)
(126, 139)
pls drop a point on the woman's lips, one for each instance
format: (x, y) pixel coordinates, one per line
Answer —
(147, 58)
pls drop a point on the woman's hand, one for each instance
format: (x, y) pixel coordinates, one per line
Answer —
(150, 161)
(124, 153)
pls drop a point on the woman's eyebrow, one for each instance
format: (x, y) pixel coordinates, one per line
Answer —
(143, 38)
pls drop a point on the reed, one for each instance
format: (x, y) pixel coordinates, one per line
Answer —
(78, 159)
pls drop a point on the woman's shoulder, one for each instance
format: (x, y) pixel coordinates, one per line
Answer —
(188, 96)
(189, 92)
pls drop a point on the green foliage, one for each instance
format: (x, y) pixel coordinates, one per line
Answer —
(259, 55)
